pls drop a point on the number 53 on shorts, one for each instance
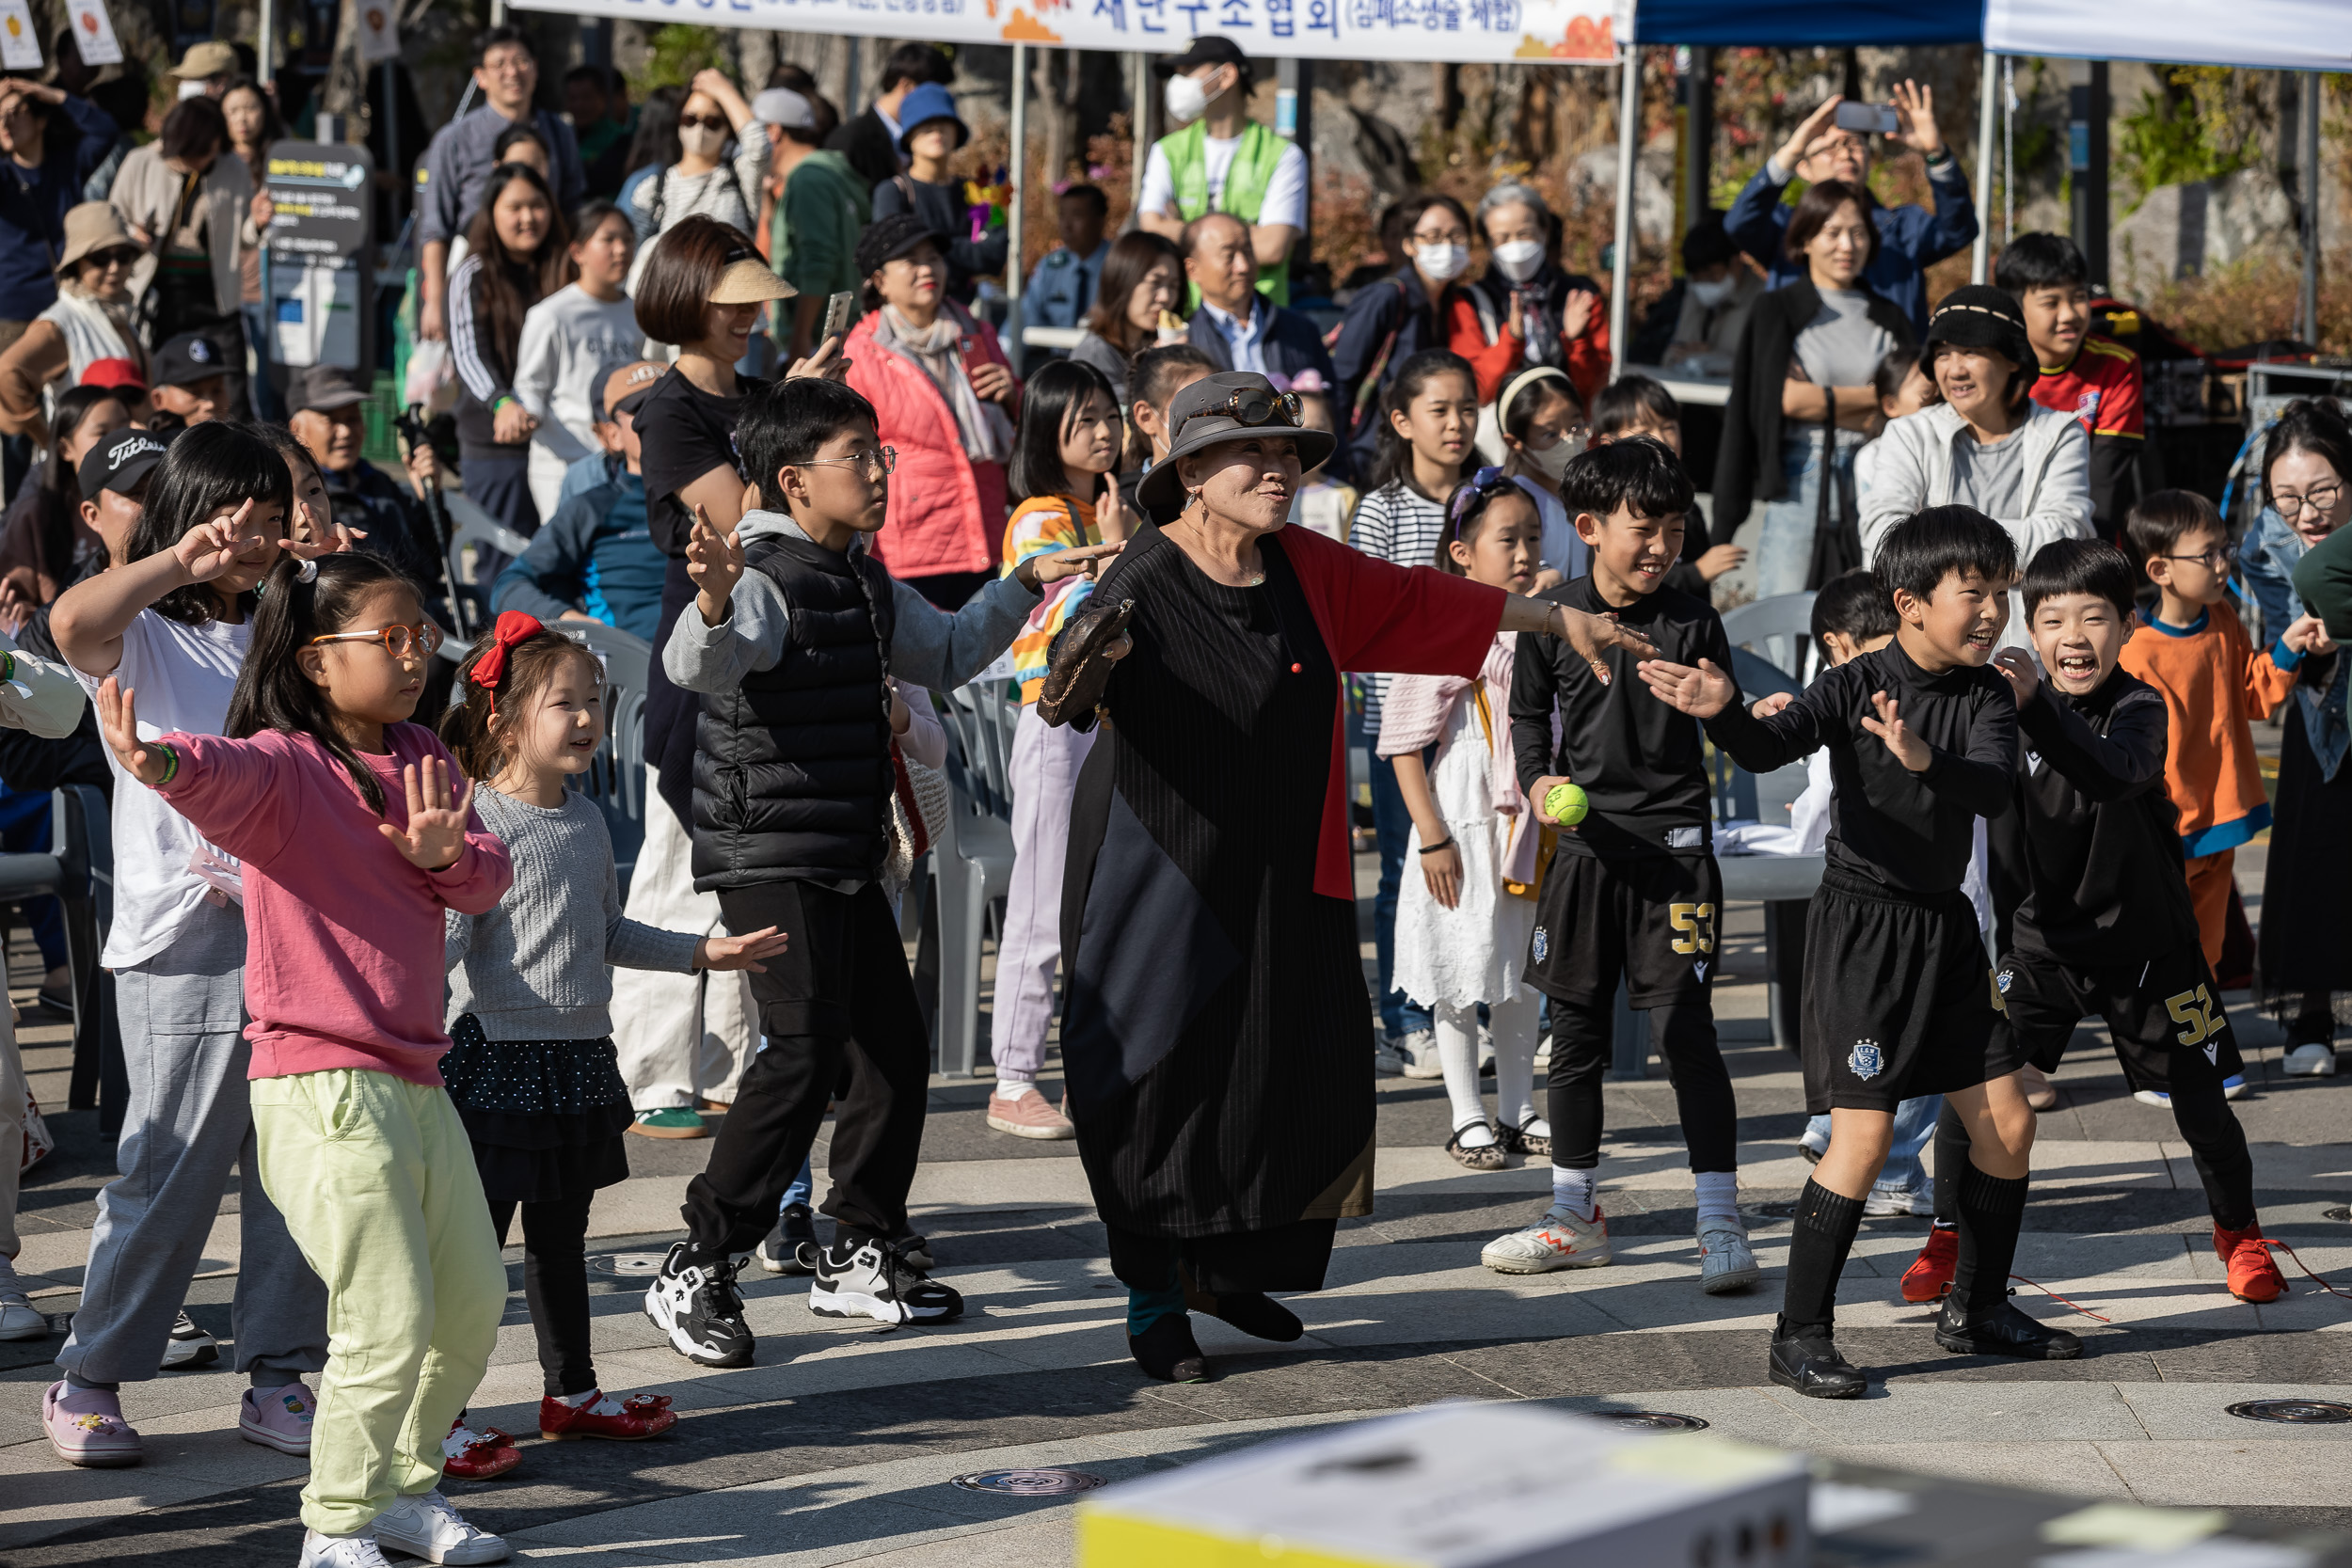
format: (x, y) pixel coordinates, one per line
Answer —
(1696, 921)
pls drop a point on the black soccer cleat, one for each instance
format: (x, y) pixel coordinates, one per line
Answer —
(699, 1310)
(1814, 1368)
(2001, 1329)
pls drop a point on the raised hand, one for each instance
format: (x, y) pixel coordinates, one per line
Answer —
(119, 722)
(1909, 749)
(1575, 311)
(2018, 668)
(1110, 513)
(714, 561)
(1703, 692)
(824, 364)
(1811, 128)
(208, 550)
(316, 538)
(743, 952)
(1914, 105)
(435, 834)
(1592, 636)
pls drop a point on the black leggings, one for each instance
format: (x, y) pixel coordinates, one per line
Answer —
(1685, 1033)
(2208, 1126)
(555, 1283)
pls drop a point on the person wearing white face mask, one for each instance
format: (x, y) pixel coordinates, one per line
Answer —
(1719, 289)
(1222, 161)
(1526, 309)
(703, 180)
(1422, 305)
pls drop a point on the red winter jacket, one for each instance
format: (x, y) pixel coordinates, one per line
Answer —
(947, 512)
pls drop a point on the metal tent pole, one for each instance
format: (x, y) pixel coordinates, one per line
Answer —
(2307, 315)
(1621, 267)
(265, 29)
(1139, 104)
(1017, 173)
(1988, 106)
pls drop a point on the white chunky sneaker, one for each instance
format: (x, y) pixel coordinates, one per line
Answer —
(1419, 1051)
(2311, 1060)
(1558, 1240)
(429, 1525)
(877, 1280)
(1726, 1264)
(1884, 1202)
(341, 1551)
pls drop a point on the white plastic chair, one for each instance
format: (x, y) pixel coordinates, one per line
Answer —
(975, 856)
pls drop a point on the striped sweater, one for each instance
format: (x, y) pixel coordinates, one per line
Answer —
(1040, 526)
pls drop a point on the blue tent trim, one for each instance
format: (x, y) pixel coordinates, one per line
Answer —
(1809, 24)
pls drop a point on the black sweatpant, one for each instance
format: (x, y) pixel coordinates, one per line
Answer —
(840, 995)
(1581, 1040)
(555, 1283)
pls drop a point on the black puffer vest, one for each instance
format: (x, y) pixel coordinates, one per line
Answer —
(792, 775)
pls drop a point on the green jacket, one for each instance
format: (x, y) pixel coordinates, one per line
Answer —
(817, 224)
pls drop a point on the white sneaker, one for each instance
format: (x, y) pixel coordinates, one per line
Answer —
(429, 1525)
(1558, 1240)
(19, 1318)
(189, 1346)
(1882, 1202)
(2157, 1098)
(1419, 1051)
(875, 1279)
(1543, 1058)
(2234, 1085)
(1386, 1060)
(2311, 1060)
(341, 1551)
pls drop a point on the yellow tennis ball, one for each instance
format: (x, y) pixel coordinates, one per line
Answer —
(1566, 805)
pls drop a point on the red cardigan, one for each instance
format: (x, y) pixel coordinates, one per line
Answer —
(1398, 620)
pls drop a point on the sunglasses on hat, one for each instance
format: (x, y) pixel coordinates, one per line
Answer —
(1251, 405)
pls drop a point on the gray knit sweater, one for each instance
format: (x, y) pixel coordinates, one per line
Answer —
(531, 968)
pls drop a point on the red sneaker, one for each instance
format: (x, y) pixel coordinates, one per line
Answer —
(2252, 1276)
(470, 1455)
(1930, 1276)
(641, 1416)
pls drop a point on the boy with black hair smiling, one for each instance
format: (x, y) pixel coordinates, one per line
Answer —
(1632, 890)
(2106, 926)
(2094, 379)
(1898, 1001)
(794, 628)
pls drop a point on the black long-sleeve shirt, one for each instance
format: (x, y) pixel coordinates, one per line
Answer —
(1909, 831)
(2096, 840)
(1638, 760)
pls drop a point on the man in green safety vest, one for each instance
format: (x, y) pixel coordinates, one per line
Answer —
(1223, 161)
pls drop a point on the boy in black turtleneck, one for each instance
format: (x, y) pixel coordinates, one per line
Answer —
(1897, 998)
(2106, 925)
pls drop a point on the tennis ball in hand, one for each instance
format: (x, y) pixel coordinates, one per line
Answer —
(1565, 805)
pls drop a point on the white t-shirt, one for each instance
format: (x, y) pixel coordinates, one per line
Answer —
(1285, 192)
(182, 675)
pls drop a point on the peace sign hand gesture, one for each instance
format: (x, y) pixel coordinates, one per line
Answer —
(209, 550)
(714, 559)
(436, 835)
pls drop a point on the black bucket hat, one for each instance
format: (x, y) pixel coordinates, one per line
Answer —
(1977, 316)
(1213, 409)
(892, 238)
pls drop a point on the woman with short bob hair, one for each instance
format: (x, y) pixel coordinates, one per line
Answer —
(1143, 280)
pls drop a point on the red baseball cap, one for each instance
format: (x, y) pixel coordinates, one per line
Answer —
(121, 374)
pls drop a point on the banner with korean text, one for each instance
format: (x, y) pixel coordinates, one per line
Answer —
(1560, 31)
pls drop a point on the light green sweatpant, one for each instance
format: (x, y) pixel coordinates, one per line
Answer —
(376, 1180)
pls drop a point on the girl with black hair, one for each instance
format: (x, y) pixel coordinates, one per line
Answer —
(1543, 426)
(174, 623)
(46, 547)
(518, 254)
(351, 847)
(1065, 464)
(1462, 925)
(1428, 419)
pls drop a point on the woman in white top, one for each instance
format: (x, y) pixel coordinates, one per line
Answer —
(90, 322)
(704, 180)
(571, 338)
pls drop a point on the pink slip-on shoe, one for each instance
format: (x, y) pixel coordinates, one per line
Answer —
(86, 1428)
(278, 1417)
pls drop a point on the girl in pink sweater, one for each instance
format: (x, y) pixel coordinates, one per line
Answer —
(352, 846)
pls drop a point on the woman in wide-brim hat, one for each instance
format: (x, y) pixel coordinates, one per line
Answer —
(1215, 1024)
(91, 321)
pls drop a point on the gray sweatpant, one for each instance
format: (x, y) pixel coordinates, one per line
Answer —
(188, 1120)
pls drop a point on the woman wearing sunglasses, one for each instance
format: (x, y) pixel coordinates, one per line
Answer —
(89, 320)
(704, 180)
(1213, 1036)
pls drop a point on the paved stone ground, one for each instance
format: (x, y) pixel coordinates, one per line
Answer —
(839, 1443)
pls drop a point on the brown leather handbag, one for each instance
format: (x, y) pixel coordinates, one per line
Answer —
(1079, 669)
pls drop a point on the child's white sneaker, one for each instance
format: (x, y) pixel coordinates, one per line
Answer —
(1419, 1051)
(341, 1551)
(429, 1525)
(2311, 1060)
(1558, 1240)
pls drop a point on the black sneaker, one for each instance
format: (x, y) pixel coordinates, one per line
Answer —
(874, 1279)
(781, 1252)
(915, 1249)
(189, 1346)
(697, 1306)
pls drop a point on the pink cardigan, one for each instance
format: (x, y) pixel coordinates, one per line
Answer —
(947, 512)
(344, 944)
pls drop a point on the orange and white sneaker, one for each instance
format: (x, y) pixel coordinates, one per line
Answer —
(2253, 1277)
(1558, 1240)
(1930, 1276)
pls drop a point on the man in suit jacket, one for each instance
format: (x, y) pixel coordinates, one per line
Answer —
(870, 141)
(1238, 328)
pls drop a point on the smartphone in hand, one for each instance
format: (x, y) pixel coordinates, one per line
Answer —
(836, 316)
(1869, 118)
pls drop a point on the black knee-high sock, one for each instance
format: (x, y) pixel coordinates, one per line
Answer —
(1952, 1158)
(1825, 1235)
(1992, 1210)
(2218, 1142)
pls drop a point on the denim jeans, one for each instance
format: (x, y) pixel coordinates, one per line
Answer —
(1784, 545)
(1914, 1124)
(1393, 826)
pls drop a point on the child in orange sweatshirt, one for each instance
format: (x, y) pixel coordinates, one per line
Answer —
(2214, 685)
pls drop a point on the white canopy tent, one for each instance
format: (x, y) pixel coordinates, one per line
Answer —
(2268, 35)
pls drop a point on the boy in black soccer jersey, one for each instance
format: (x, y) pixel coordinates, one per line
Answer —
(2106, 925)
(1922, 739)
(1633, 888)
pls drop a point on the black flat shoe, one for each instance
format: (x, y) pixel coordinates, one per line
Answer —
(1814, 1368)
(1259, 1315)
(1168, 1351)
(2001, 1329)
(1517, 1140)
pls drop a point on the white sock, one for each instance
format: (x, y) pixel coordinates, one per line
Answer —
(1572, 1191)
(1457, 1054)
(1009, 1087)
(581, 1401)
(1513, 1025)
(1476, 1133)
(1719, 1195)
